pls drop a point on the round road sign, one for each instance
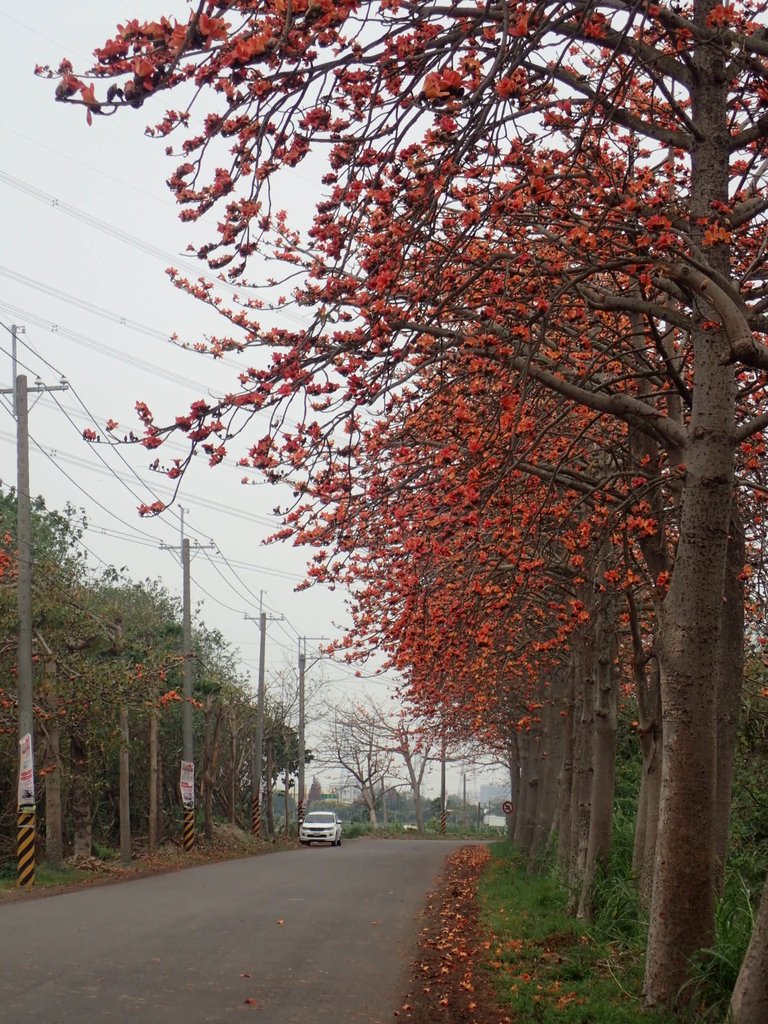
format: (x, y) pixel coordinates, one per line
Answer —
(508, 807)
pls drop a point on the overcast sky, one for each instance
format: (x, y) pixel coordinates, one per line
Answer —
(88, 228)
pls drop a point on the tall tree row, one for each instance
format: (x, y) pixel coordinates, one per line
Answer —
(540, 256)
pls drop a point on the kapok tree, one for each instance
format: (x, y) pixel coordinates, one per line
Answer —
(630, 144)
(459, 546)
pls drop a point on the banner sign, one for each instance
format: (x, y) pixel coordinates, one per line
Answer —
(187, 783)
(26, 773)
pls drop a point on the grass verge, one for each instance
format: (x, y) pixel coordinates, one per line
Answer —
(45, 876)
(548, 968)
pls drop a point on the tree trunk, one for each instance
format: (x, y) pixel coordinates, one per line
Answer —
(232, 771)
(270, 769)
(54, 833)
(550, 753)
(644, 858)
(539, 811)
(125, 798)
(54, 838)
(152, 837)
(581, 796)
(369, 798)
(565, 787)
(80, 798)
(730, 666)
(163, 802)
(213, 711)
(535, 762)
(513, 760)
(418, 807)
(749, 1003)
(682, 905)
(606, 725)
(521, 834)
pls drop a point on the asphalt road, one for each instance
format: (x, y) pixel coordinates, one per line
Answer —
(321, 935)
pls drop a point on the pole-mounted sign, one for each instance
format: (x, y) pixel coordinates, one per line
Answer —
(26, 773)
(187, 783)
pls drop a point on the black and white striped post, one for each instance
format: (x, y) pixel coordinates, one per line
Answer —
(188, 834)
(27, 833)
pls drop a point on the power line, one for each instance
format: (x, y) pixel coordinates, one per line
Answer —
(257, 599)
(218, 571)
(74, 483)
(136, 536)
(61, 155)
(27, 316)
(132, 240)
(199, 501)
(90, 307)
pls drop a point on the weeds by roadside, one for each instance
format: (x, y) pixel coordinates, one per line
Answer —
(547, 967)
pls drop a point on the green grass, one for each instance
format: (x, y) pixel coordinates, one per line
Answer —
(547, 967)
(715, 970)
(45, 876)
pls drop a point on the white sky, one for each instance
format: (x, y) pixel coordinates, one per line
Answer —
(53, 166)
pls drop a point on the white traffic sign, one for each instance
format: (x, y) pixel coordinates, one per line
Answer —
(187, 784)
(26, 794)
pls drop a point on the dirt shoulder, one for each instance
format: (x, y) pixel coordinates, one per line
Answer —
(448, 982)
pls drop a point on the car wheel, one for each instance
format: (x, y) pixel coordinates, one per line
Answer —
(304, 842)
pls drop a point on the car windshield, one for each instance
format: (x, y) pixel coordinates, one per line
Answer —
(320, 818)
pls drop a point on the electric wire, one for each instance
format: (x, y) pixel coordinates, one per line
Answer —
(109, 471)
(61, 155)
(4, 435)
(130, 468)
(42, 35)
(82, 490)
(263, 570)
(90, 307)
(142, 539)
(239, 579)
(219, 573)
(131, 240)
(215, 506)
(96, 346)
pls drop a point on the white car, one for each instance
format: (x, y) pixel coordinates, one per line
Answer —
(320, 827)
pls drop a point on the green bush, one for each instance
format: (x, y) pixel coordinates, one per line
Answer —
(105, 852)
(354, 829)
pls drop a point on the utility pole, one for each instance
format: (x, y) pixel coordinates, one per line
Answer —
(27, 822)
(443, 802)
(187, 775)
(257, 758)
(258, 742)
(300, 796)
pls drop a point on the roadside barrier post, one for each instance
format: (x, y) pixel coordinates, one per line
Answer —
(26, 848)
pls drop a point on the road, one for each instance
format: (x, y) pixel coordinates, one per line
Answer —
(321, 935)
